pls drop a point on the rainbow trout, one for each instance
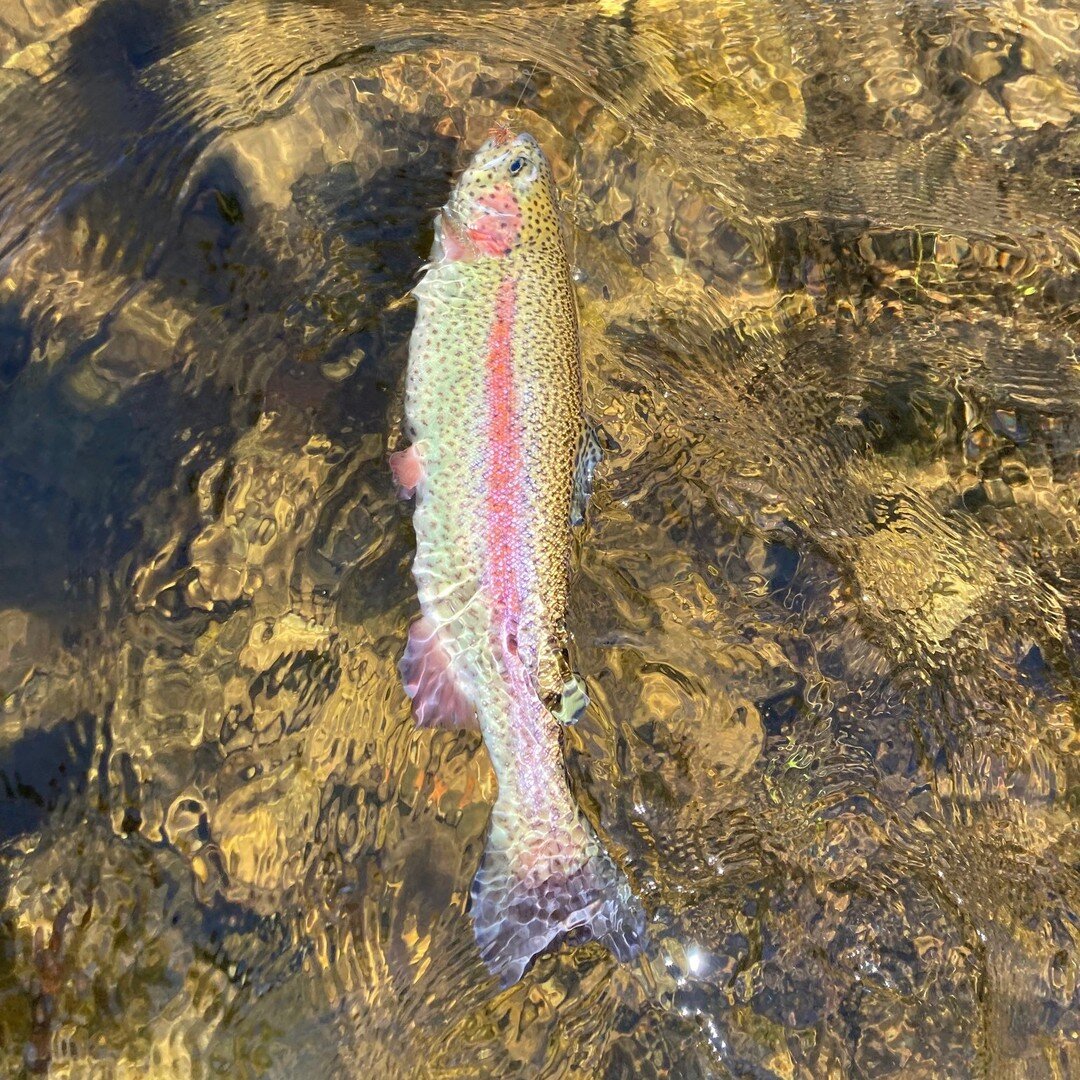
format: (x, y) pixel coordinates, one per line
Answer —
(500, 463)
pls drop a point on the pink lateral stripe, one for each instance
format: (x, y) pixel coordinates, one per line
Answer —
(504, 470)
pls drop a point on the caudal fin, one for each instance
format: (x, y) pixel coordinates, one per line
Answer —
(527, 896)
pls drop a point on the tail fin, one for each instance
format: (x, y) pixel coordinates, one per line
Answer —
(525, 896)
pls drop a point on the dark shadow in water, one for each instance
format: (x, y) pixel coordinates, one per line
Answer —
(90, 491)
(73, 476)
(92, 120)
(42, 771)
(15, 345)
(71, 483)
(385, 226)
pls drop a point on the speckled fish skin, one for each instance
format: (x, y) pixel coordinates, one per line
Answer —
(494, 413)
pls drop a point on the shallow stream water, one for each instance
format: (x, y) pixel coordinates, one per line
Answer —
(827, 605)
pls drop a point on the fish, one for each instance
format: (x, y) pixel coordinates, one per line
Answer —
(500, 463)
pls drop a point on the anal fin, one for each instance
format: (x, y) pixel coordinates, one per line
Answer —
(427, 673)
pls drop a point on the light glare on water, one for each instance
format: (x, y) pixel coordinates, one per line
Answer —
(826, 606)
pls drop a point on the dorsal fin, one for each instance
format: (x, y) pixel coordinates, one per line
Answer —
(588, 456)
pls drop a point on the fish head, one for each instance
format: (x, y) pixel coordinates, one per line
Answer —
(504, 200)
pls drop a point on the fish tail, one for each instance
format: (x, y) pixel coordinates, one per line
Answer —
(537, 885)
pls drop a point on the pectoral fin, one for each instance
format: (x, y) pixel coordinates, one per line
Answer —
(408, 469)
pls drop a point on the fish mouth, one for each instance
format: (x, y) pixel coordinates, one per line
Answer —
(501, 139)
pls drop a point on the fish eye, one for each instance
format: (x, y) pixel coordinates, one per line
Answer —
(517, 165)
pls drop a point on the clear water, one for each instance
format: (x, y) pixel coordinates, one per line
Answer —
(827, 606)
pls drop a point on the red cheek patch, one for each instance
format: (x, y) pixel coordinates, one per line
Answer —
(498, 224)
